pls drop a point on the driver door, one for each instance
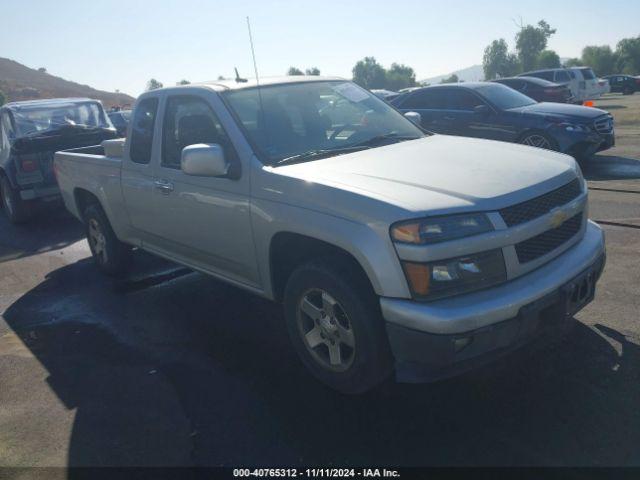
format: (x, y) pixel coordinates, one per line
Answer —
(202, 221)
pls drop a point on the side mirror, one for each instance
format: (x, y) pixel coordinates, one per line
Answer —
(482, 110)
(204, 160)
(415, 117)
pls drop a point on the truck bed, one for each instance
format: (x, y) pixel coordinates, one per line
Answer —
(94, 169)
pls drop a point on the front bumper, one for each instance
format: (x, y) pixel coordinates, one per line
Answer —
(425, 337)
(586, 144)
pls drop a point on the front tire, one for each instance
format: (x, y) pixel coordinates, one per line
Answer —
(110, 254)
(538, 139)
(335, 325)
(17, 210)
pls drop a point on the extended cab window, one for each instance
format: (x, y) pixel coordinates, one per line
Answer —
(144, 120)
(189, 120)
(562, 76)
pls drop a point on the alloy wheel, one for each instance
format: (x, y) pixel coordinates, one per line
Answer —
(538, 141)
(326, 330)
(97, 241)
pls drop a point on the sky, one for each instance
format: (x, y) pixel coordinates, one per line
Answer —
(118, 44)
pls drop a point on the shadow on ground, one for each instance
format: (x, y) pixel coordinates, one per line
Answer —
(608, 167)
(50, 229)
(171, 368)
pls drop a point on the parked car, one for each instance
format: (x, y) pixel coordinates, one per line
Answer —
(497, 112)
(120, 120)
(580, 80)
(31, 132)
(538, 89)
(390, 249)
(625, 84)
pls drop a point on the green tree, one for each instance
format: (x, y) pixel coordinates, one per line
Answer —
(498, 62)
(600, 58)
(531, 41)
(154, 84)
(548, 59)
(628, 54)
(183, 82)
(368, 73)
(453, 78)
(294, 71)
(573, 62)
(400, 76)
(42, 70)
(3, 98)
(312, 71)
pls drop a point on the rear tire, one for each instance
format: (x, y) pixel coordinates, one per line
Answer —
(335, 325)
(110, 254)
(627, 91)
(17, 210)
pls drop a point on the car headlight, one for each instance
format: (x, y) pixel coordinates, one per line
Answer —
(576, 127)
(440, 229)
(454, 276)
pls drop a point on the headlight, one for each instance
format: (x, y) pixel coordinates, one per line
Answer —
(443, 278)
(576, 127)
(440, 229)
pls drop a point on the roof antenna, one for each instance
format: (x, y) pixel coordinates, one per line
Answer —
(238, 78)
(255, 68)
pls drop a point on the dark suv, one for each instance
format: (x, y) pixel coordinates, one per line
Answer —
(496, 112)
(625, 84)
(30, 133)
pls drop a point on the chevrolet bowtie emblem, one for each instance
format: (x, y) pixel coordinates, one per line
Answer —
(558, 218)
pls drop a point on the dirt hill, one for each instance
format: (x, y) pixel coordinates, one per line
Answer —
(19, 82)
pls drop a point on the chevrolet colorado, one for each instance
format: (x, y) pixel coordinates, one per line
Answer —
(391, 249)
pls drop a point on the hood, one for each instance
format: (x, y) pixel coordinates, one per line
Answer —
(563, 110)
(431, 176)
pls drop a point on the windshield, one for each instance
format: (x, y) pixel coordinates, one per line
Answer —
(305, 117)
(504, 97)
(30, 120)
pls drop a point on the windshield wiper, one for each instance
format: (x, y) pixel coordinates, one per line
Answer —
(385, 138)
(320, 153)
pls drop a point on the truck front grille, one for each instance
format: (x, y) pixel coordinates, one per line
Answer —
(532, 209)
(536, 247)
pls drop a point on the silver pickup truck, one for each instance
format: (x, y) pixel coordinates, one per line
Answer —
(393, 251)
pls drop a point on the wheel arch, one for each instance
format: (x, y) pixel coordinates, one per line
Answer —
(288, 250)
(83, 198)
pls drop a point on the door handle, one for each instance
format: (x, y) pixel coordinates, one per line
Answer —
(164, 187)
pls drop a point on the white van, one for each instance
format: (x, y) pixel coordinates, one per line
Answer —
(581, 81)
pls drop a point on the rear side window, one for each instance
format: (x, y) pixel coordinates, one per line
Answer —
(562, 76)
(431, 99)
(461, 99)
(587, 73)
(144, 120)
(543, 75)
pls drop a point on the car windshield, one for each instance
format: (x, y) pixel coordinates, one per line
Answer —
(503, 97)
(30, 120)
(324, 116)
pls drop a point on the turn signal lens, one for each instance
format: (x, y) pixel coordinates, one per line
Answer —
(28, 165)
(418, 277)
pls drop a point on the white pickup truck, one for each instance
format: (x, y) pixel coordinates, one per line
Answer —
(391, 249)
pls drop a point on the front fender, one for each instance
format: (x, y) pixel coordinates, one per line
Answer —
(370, 245)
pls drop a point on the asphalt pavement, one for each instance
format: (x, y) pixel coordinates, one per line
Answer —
(169, 367)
